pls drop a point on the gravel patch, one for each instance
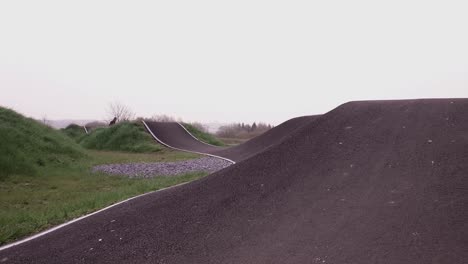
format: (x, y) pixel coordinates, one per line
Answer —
(148, 170)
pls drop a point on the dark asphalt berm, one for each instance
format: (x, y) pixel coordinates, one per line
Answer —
(368, 182)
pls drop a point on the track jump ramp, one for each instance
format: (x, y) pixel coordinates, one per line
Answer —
(173, 134)
(368, 182)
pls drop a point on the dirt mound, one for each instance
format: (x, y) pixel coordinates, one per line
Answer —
(369, 182)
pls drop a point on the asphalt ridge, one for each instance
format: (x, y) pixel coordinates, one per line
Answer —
(368, 182)
(174, 135)
(265, 140)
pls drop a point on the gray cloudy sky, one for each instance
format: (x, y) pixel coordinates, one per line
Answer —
(227, 60)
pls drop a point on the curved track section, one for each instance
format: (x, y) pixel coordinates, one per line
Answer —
(196, 137)
(174, 135)
(369, 182)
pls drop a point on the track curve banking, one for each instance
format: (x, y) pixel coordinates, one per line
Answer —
(368, 182)
(174, 135)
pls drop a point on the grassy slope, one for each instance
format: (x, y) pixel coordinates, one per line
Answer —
(233, 141)
(34, 203)
(47, 180)
(129, 137)
(203, 136)
(75, 132)
(28, 146)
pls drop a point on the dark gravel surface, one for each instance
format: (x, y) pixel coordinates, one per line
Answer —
(264, 141)
(147, 170)
(172, 134)
(368, 182)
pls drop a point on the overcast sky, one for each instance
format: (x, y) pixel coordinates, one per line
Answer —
(227, 60)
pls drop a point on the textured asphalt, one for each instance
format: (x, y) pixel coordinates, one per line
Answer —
(368, 182)
(174, 135)
(265, 140)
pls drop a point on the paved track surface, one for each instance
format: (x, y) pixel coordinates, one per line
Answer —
(174, 135)
(369, 182)
(265, 140)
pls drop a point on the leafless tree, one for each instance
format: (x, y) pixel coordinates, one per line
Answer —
(120, 111)
(45, 121)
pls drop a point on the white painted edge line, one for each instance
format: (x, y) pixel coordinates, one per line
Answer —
(45, 232)
(196, 137)
(201, 153)
(81, 218)
(85, 129)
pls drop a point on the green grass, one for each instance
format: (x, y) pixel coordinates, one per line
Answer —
(29, 204)
(27, 146)
(233, 141)
(203, 136)
(74, 131)
(125, 136)
(46, 178)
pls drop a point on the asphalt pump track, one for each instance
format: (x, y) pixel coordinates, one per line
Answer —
(368, 182)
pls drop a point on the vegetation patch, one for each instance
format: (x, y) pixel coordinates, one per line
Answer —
(46, 178)
(54, 195)
(125, 136)
(74, 131)
(28, 146)
(203, 136)
(236, 133)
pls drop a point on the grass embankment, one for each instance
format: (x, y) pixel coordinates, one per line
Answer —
(203, 136)
(33, 203)
(125, 136)
(28, 146)
(75, 132)
(233, 141)
(46, 178)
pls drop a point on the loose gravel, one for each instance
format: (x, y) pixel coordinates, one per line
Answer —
(148, 170)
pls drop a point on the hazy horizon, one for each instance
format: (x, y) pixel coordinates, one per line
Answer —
(212, 61)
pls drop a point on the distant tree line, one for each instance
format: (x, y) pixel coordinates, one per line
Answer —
(167, 118)
(243, 130)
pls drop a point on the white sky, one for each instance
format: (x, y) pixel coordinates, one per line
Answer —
(227, 60)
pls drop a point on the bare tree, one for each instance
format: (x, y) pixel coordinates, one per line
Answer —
(45, 121)
(120, 111)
